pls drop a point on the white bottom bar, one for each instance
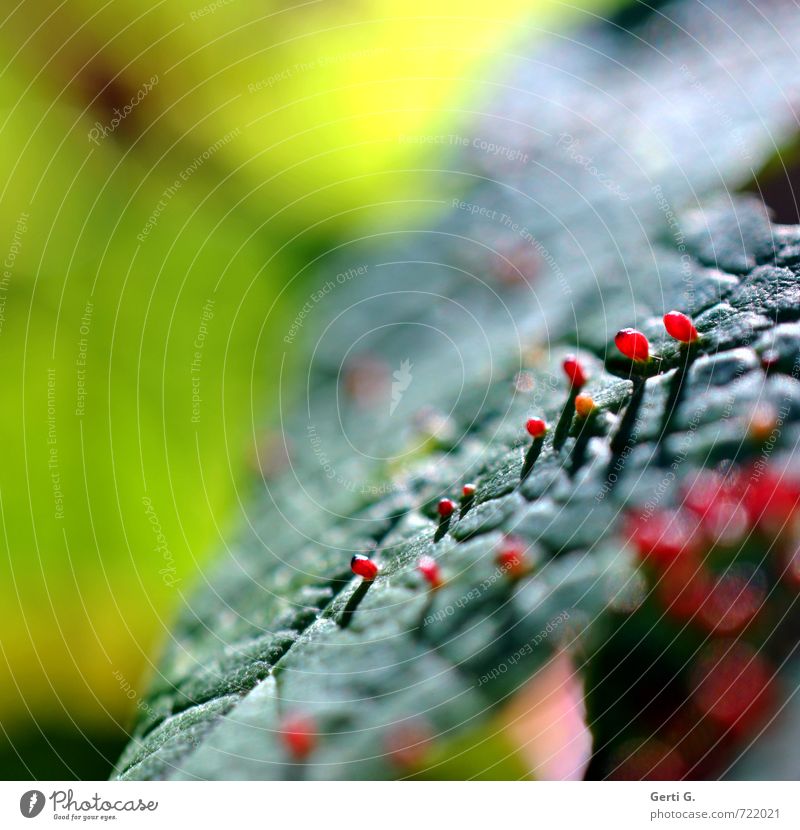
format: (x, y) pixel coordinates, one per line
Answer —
(403, 805)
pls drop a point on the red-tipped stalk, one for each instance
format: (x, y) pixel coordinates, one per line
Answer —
(680, 327)
(577, 377)
(364, 567)
(445, 509)
(633, 344)
(585, 409)
(467, 498)
(537, 429)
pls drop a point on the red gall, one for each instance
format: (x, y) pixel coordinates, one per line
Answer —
(364, 567)
(680, 327)
(633, 344)
(445, 508)
(536, 427)
(574, 371)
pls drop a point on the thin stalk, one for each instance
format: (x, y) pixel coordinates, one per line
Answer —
(565, 419)
(531, 455)
(625, 431)
(353, 603)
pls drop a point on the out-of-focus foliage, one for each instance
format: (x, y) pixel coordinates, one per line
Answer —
(145, 263)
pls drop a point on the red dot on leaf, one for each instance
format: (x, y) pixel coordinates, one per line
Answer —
(445, 508)
(680, 327)
(633, 344)
(468, 491)
(536, 427)
(364, 567)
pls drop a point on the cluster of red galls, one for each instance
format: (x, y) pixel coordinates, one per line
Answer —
(631, 343)
(720, 514)
(707, 566)
(634, 345)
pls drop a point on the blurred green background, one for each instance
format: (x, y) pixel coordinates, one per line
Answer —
(169, 171)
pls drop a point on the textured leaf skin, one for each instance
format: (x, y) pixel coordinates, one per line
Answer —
(262, 639)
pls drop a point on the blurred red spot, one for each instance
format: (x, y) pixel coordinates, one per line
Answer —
(519, 265)
(299, 735)
(366, 380)
(683, 588)
(407, 745)
(726, 522)
(771, 497)
(703, 489)
(428, 567)
(732, 602)
(731, 684)
(511, 557)
(664, 536)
